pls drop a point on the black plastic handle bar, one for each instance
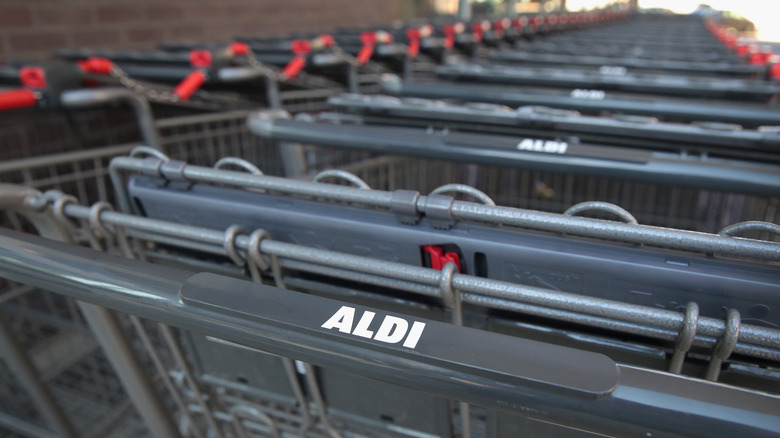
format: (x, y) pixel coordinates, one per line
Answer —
(587, 100)
(510, 151)
(539, 380)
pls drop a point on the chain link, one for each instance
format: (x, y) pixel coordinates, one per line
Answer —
(151, 94)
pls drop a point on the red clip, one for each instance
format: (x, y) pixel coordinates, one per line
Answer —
(774, 71)
(476, 28)
(439, 258)
(97, 66)
(368, 39)
(190, 85)
(201, 58)
(16, 99)
(414, 42)
(364, 54)
(32, 77)
(760, 58)
(449, 36)
(742, 49)
(295, 66)
(327, 40)
(300, 47)
(517, 24)
(239, 49)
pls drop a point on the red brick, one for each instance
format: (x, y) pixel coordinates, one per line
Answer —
(119, 14)
(145, 35)
(70, 15)
(36, 41)
(164, 13)
(206, 12)
(15, 17)
(187, 32)
(96, 38)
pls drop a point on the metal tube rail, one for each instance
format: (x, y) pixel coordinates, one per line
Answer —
(586, 101)
(627, 400)
(752, 338)
(585, 227)
(140, 106)
(669, 85)
(721, 67)
(562, 122)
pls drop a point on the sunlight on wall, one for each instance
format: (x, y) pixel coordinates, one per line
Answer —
(763, 13)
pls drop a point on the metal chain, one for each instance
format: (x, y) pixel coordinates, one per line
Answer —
(257, 65)
(151, 94)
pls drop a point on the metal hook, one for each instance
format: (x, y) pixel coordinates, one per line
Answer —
(466, 190)
(445, 284)
(258, 263)
(604, 207)
(238, 162)
(725, 345)
(741, 227)
(342, 174)
(146, 150)
(685, 338)
(230, 244)
(451, 297)
(255, 239)
(59, 213)
(96, 223)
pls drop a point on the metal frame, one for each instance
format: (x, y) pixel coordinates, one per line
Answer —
(161, 293)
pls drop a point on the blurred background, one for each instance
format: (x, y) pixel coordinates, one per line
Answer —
(30, 30)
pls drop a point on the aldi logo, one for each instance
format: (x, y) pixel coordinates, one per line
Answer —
(546, 146)
(391, 330)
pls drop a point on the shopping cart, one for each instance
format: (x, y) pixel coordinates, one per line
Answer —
(522, 384)
(297, 64)
(658, 188)
(85, 382)
(47, 109)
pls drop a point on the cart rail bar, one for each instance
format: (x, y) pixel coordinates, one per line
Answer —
(290, 324)
(515, 151)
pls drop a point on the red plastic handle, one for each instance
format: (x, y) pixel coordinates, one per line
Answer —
(449, 36)
(16, 99)
(414, 42)
(190, 85)
(365, 54)
(774, 71)
(477, 31)
(239, 49)
(98, 66)
(295, 66)
(32, 77)
(327, 40)
(300, 47)
(414, 48)
(201, 58)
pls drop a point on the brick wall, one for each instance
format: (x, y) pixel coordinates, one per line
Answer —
(31, 29)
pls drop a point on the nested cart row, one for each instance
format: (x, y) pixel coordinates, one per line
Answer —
(349, 273)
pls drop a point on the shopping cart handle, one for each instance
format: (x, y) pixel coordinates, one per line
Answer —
(16, 99)
(501, 358)
(520, 376)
